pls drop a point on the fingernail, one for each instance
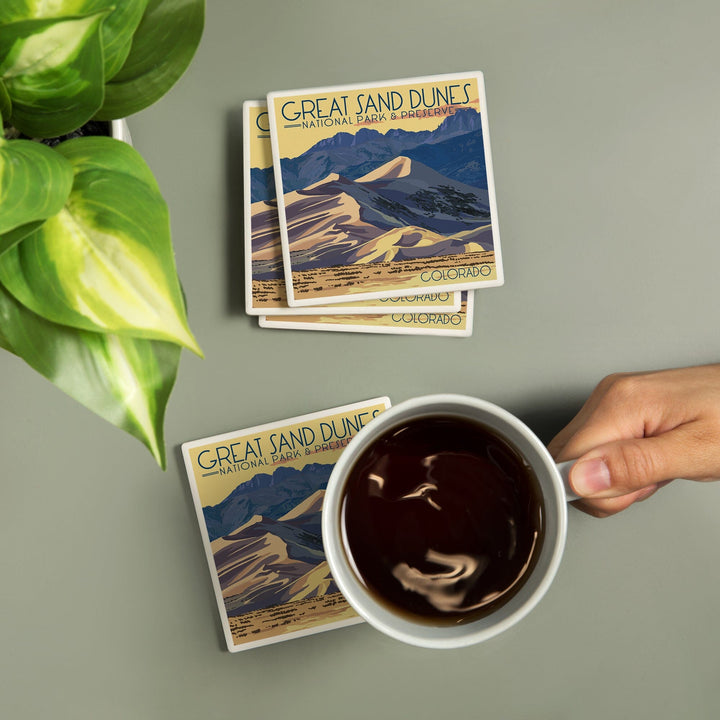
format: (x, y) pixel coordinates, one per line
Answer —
(590, 477)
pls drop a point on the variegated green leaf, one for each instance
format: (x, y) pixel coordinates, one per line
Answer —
(98, 152)
(105, 262)
(163, 46)
(117, 30)
(5, 104)
(14, 236)
(53, 73)
(4, 342)
(125, 380)
(35, 182)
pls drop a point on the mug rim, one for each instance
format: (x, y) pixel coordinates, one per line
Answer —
(380, 616)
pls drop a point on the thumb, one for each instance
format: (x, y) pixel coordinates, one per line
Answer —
(625, 466)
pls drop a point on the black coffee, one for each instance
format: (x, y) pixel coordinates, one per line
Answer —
(443, 519)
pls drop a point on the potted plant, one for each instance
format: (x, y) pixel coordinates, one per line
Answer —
(89, 293)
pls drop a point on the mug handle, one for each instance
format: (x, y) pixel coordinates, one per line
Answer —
(564, 470)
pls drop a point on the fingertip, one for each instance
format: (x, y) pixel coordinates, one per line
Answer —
(607, 507)
(646, 492)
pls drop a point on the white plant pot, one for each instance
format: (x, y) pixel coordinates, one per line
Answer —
(120, 131)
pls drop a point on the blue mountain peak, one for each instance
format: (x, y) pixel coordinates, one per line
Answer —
(270, 495)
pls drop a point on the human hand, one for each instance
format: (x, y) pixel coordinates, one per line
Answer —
(639, 431)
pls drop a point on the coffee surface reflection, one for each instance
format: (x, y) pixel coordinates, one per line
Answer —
(442, 519)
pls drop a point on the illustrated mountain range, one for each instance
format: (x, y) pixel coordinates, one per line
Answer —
(402, 210)
(266, 539)
(454, 149)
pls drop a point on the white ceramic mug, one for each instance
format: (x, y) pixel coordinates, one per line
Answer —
(555, 491)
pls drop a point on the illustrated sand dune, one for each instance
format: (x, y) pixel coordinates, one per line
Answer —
(307, 507)
(265, 231)
(329, 211)
(255, 564)
(398, 168)
(268, 562)
(315, 583)
(408, 244)
(392, 213)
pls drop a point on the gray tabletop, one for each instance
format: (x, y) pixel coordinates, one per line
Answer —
(604, 120)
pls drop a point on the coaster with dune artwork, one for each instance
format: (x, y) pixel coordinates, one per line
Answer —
(258, 496)
(385, 189)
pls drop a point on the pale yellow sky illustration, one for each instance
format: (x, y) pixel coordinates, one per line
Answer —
(237, 454)
(259, 136)
(325, 108)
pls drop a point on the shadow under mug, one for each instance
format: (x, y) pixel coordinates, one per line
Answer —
(555, 490)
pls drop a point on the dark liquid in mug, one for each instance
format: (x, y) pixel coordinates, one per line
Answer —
(442, 519)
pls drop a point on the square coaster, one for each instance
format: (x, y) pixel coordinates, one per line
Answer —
(385, 189)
